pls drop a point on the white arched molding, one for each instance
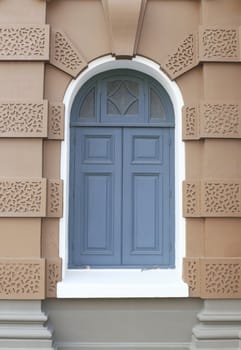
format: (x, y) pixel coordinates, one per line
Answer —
(124, 283)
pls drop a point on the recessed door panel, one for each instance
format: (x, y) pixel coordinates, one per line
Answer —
(97, 197)
(146, 209)
(146, 197)
(97, 219)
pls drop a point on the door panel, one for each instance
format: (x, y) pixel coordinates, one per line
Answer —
(146, 194)
(122, 213)
(146, 206)
(97, 197)
(97, 218)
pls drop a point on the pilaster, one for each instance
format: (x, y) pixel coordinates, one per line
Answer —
(219, 326)
(22, 326)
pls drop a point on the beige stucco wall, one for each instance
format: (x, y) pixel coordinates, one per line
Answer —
(197, 44)
(165, 24)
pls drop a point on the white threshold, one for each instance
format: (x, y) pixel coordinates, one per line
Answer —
(121, 284)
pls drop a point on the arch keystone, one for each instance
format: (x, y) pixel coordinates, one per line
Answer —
(124, 19)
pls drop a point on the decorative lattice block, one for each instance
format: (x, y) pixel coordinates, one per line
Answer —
(212, 43)
(64, 55)
(190, 122)
(191, 276)
(212, 198)
(212, 119)
(191, 198)
(56, 121)
(22, 278)
(54, 198)
(213, 278)
(220, 119)
(53, 275)
(183, 58)
(219, 43)
(24, 42)
(22, 197)
(221, 278)
(221, 198)
(23, 119)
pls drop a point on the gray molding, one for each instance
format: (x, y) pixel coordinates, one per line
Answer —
(122, 346)
(219, 327)
(22, 326)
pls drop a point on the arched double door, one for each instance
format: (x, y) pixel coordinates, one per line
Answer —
(122, 173)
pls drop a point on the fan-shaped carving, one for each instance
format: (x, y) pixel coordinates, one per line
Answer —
(64, 55)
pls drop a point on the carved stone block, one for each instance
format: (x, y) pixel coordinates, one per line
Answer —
(22, 278)
(221, 278)
(190, 122)
(191, 198)
(219, 43)
(220, 198)
(183, 58)
(54, 198)
(24, 42)
(212, 120)
(212, 43)
(220, 119)
(22, 197)
(212, 198)
(56, 121)
(64, 55)
(191, 267)
(23, 119)
(213, 278)
(53, 275)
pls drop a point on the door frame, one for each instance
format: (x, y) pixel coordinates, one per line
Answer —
(154, 283)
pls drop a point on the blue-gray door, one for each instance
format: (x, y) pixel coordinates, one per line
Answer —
(121, 212)
(122, 197)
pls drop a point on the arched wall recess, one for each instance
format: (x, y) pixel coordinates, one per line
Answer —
(120, 282)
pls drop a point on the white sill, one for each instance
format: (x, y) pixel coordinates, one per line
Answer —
(121, 284)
